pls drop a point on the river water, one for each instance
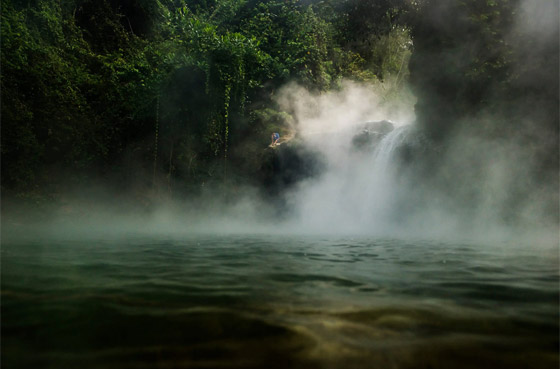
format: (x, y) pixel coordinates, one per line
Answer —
(256, 301)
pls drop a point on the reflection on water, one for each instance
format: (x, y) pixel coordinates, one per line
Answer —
(287, 302)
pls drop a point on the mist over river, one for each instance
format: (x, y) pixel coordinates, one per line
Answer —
(355, 275)
(259, 301)
(297, 184)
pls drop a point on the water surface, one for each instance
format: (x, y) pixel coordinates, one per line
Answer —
(256, 301)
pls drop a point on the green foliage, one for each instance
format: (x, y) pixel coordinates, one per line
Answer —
(88, 85)
(462, 63)
(375, 30)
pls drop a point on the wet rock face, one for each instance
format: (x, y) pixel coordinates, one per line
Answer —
(287, 164)
(371, 133)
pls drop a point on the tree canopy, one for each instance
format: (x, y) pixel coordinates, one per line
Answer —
(168, 91)
(89, 87)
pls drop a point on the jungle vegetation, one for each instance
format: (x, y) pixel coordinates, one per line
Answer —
(169, 95)
(161, 92)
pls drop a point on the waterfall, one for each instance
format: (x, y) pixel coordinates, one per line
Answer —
(380, 192)
(384, 152)
(358, 190)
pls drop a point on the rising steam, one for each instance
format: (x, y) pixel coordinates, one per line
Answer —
(377, 189)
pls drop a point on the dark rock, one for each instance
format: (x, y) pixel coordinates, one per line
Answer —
(285, 165)
(371, 133)
(383, 126)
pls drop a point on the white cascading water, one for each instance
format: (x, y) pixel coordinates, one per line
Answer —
(383, 154)
(358, 191)
(381, 190)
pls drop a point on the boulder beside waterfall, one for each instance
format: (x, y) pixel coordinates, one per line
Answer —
(285, 165)
(371, 133)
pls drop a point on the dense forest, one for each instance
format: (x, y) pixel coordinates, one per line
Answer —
(152, 93)
(170, 95)
(486, 74)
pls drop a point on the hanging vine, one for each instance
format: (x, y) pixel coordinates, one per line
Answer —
(227, 98)
(156, 136)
